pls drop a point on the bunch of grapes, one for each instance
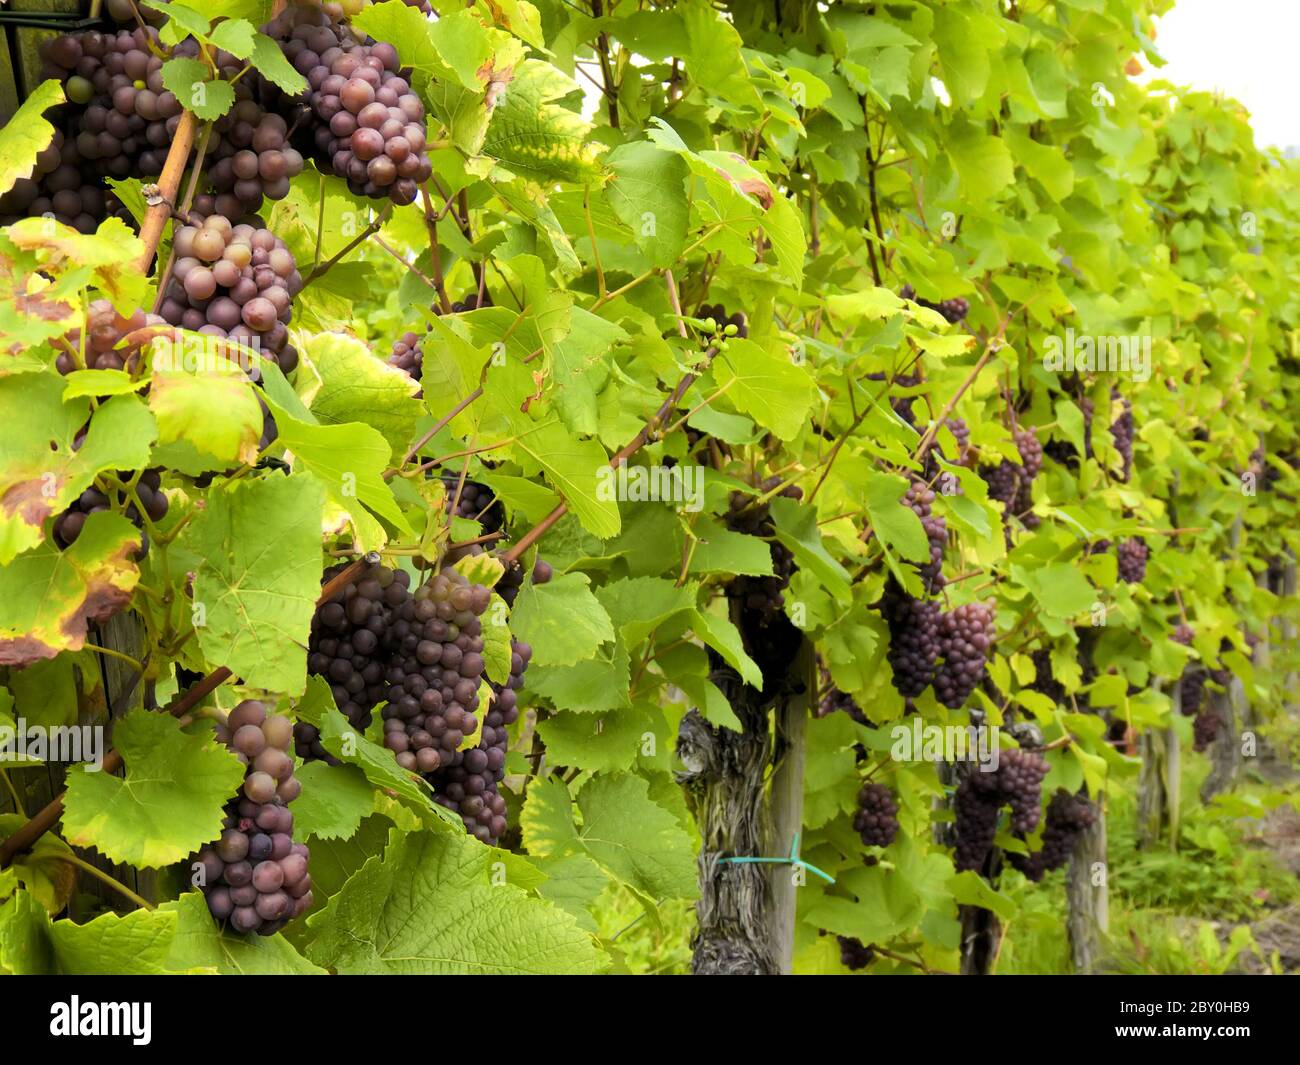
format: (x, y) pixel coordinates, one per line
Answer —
(1067, 816)
(353, 636)
(1121, 433)
(721, 319)
(236, 282)
(976, 810)
(254, 876)
(876, 820)
(434, 680)
(919, 498)
(408, 356)
(105, 333)
(1191, 685)
(1003, 481)
(68, 525)
(853, 954)
(1132, 555)
(762, 598)
(953, 309)
(1205, 728)
(1016, 783)
(965, 641)
(914, 639)
(469, 784)
(253, 160)
(371, 129)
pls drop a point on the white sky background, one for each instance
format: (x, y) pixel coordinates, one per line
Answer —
(1246, 49)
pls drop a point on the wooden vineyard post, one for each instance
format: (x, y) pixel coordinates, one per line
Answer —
(1158, 780)
(1087, 895)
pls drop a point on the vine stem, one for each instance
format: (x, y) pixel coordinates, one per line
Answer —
(49, 815)
(169, 183)
(374, 227)
(102, 876)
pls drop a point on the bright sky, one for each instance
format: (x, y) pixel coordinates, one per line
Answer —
(1246, 49)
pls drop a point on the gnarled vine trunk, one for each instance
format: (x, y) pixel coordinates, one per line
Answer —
(745, 915)
(1225, 751)
(1159, 781)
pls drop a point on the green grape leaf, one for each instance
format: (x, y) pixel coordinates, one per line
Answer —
(189, 80)
(49, 598)
(27, 134)
(547, 819)
(539, 139)
(335, 799)
(209, 420)
(201, 946)
(593, 686)
(44, 870)
(598, 743)
(770, 389)
(258, 575)
(562, 620)
(573, 882)
(271, 63)
(33, 945)
(430, 906)
(357, 387)
(648, 195)
(169, 803)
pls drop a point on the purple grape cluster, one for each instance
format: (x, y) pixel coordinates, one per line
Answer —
(512, 581)
(104, 347)
(254, 876)
(370, 124)
(253, 160)
(434, 679)
(762, 598)
(61, 186)
(919, 498)
(353, 637)
(236, 282)
(1191, 684)
(953, 309)
(1045, 681)
(853, 954)
(1067, 816)
(1205, 728)
(965, 642)
(1132, 555)
(470, 783)
(1121, 433)
(1016, 783)
(1011, 483)
(408, 349)
(876, 819)
(148, 489)
(835, 700)
(914, 639)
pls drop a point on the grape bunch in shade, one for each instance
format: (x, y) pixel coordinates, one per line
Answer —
(1067, 817)
(1045, 681)
(1132, 555)
(408, 350)
(236, 282)
(1011, 483)
(914, 639)
(60, 187)
(254, 876)
(1191, 684)
(352, 639)
(1121, 433)
(721, 319)
(853, 954)
(834, 700)
(106, 345)
(253, 161)
(370, 125)
(1205, 728)
(953, 309)
(901, 405)
(1064, 452)
(965, 643)
(434, 679)
(148, 489)
(762, 598)
(919, 498)
(1017, 783)
(876, 819)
